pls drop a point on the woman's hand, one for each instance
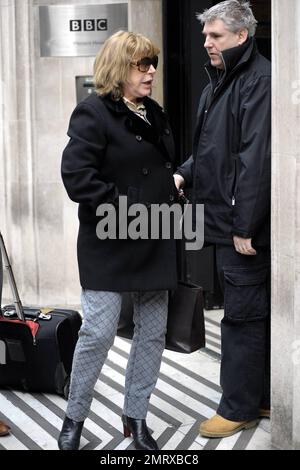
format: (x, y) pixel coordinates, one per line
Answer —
(179, 181)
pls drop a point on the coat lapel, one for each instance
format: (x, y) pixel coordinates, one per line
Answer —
(158, 133)
(162, 128)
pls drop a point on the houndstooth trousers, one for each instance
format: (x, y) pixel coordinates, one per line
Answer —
(101, 311)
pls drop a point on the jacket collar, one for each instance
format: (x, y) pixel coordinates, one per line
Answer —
(118, 106)
(237, 56)
(154, 133)
(234, 59)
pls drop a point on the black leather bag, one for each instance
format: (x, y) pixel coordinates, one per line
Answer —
(185, 329)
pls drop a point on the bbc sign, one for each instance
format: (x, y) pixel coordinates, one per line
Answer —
(88, 25)
(79, 30)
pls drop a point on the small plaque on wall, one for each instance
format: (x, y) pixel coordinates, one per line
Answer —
(77, 30)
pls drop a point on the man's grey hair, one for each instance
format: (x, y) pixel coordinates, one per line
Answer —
(236, 15)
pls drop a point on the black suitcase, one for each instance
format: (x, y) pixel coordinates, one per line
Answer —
(36, 345)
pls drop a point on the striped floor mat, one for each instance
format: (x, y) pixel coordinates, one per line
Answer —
(187, 392)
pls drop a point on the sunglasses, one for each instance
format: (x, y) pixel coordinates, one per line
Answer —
(145, 63)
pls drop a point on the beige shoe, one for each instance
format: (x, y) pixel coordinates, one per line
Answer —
(4, 429)
(264, 413)
(221, 427)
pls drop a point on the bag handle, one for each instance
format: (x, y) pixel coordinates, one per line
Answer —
(181, 248)
(4, 259)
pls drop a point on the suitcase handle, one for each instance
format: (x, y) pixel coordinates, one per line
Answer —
(9, 311)
(7, 265)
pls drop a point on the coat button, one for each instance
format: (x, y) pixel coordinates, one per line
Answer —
(167, 131)
(138, 138)
(145, 171)
(172, 198)
(168, 165)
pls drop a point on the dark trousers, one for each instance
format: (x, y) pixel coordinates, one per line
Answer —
(245, 333)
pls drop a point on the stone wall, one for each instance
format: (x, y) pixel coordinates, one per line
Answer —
(37, 96)
(286, 225)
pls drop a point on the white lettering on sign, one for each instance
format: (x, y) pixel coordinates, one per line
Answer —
(88, 25)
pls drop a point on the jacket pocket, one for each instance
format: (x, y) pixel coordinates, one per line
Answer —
(245, 294)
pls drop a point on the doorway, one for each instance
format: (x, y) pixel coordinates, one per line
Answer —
(184, 80)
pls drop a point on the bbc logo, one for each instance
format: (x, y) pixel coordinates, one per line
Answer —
(88, 25)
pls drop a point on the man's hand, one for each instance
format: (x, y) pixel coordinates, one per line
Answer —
(179, 181)
(244, 246)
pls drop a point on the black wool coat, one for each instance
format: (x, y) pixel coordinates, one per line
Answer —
(111, 153)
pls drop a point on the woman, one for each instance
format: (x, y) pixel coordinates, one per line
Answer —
(120, 145)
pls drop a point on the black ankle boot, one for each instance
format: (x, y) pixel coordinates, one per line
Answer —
(142, 438)
(69, 437)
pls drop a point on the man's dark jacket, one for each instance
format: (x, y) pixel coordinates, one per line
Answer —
(230, 168)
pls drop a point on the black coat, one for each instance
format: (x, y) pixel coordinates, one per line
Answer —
(231, 164)
(113, 152)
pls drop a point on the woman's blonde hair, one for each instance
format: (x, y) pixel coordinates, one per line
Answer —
(112, 64)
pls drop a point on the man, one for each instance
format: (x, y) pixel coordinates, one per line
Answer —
(4, 429)
(230, 173)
